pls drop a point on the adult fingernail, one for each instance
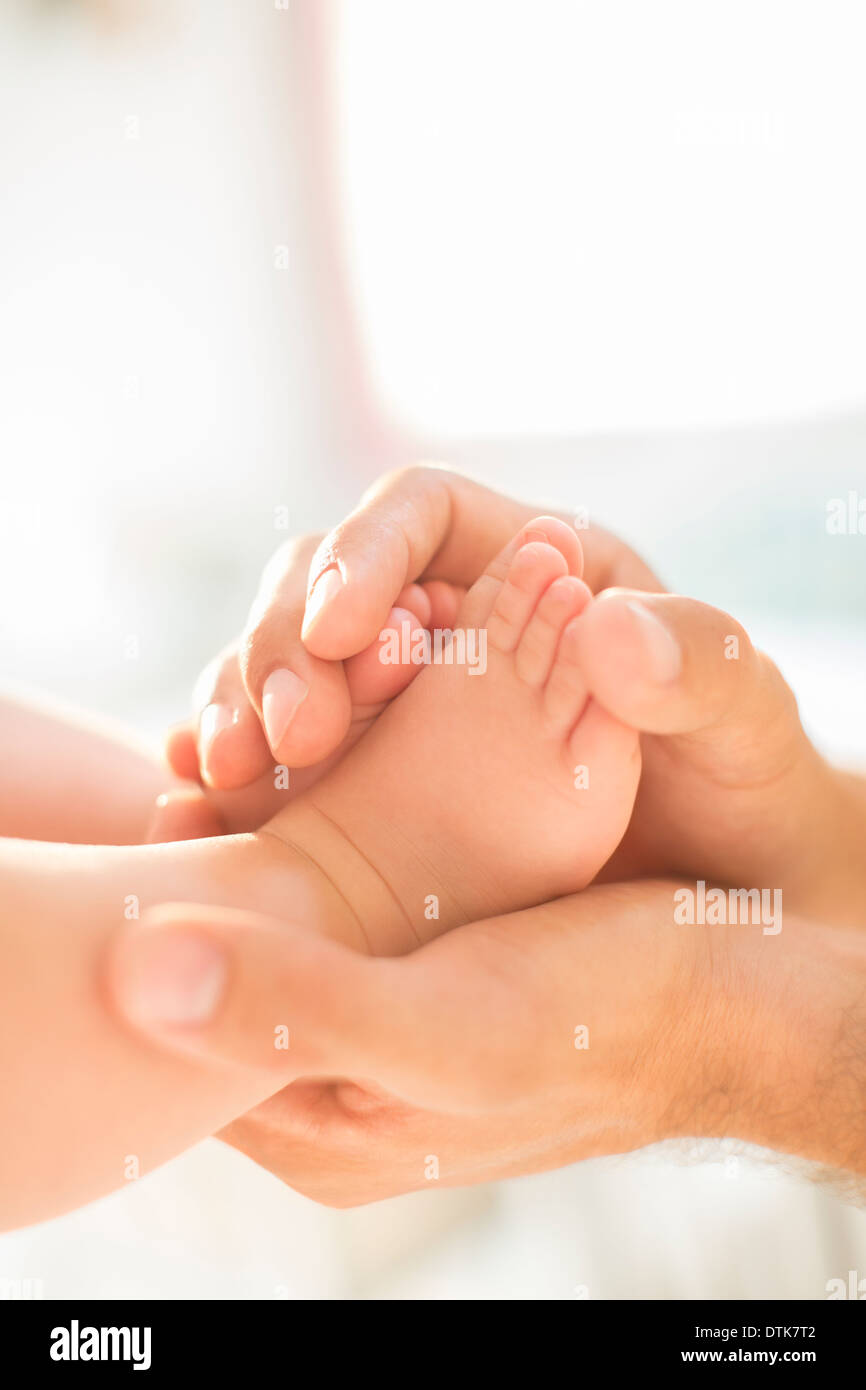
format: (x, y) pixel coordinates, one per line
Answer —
(282, 693)
(663, 654)
(169, 978)
(326, 587)
(214, 719)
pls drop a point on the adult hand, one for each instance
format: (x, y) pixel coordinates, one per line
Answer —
(225, 749)
(590, 1026)
(731, 787)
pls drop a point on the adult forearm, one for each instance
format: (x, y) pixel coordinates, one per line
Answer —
(784, 1058)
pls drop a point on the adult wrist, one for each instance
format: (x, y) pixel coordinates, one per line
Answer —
(786, 1065)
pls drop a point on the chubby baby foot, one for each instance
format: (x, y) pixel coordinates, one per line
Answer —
(493, 781)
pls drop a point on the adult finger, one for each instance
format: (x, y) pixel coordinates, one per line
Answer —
(416, 523)
(231, 748)
(183, 815)
(181, 750)
(484, 1016)
(671, 665)
(303, 702)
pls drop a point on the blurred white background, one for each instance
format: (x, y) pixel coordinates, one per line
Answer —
(608, 255)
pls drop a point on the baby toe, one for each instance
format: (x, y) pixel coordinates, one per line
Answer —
(564, 599)
(532, 571)
(388, 665)
(566, 691)
(480, 601)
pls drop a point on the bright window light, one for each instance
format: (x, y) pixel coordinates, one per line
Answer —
(569, 216)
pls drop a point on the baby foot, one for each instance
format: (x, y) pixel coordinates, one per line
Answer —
(484, 787)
